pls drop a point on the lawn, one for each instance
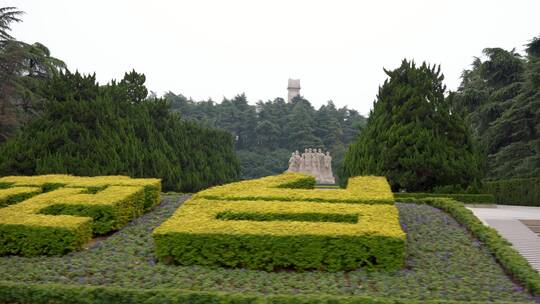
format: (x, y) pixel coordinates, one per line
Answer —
(443, 261)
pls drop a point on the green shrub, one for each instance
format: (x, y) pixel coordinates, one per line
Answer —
(275, 234)
(515, 264)
(85, 294)
(11, 196)
(61, 220)
(464, 198)
(519, 191)
(299, 217)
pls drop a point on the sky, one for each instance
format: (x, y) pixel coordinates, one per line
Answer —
(214, 49)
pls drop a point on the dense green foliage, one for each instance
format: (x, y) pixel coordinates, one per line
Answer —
(443, 264)
(517, 191)
(302, 217)
(461, 197)
(23, 68)
(412, 137)
(60, 122)
(87, 129)
(272, 252)
(500, 98)
(267, 133)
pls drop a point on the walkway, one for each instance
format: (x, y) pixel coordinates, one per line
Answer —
(506, 220)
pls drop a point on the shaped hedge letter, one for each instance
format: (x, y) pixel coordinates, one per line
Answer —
(63, 219)
(284, 234)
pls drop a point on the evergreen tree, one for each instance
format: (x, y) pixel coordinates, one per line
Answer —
(499, 98)
(514, 145)
(412, 137)
(87, 129)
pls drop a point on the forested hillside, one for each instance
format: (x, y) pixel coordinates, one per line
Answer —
(500, 98)
(267, 132)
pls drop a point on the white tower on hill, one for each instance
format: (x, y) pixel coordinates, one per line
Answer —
(293, 89)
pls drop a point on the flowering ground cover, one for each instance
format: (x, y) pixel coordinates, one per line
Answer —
(443, 262)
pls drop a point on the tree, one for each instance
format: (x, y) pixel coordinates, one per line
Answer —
(87, 129)
(514, 138)
(302, 125)
(412, 137)
(498, 97)
(23, 67)
(8, 15)
(267, 132)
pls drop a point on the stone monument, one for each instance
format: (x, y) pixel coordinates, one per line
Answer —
(313, 162)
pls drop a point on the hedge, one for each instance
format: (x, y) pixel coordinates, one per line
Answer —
(464, 198)
(514, 264)
(362, 189)
(195, 235)
(11, 196)
(48, 182)
(519, 191)
(62, 220)
(85, 294)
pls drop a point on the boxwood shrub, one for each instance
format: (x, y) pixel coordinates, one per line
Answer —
(519, 191)
(361, 189)
(275, 234)
(11, 196)
(464, 198)
(65, 216)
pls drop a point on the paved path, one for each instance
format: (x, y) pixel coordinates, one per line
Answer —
(506, 220)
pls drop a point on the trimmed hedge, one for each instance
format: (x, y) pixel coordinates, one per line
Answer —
(49, 182)
(300, 217)
(195, 236)
(85, 294)
(62, 220)
(519, 191)
(362, 189)
(14, 195)
(515, 264)
(464, 198)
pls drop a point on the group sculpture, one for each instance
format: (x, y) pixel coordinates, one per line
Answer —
(313, 162)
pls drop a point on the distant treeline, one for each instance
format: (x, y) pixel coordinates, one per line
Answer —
(266, 133)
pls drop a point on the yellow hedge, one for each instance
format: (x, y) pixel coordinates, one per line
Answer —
(281, 222)
(13, 195)
(199, 216)
(152, 186)
(361, 189)
(196, 234)
(65, 217)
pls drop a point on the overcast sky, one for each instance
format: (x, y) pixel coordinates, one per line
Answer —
(220, 48)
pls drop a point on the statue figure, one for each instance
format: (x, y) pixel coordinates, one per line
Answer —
(293, 163)
(328, 177)
(315, 162)
(297, 160)
(307, 161)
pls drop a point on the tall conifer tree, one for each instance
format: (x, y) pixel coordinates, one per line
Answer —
(411, 136)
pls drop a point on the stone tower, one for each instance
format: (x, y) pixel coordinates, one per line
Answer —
(293, 89)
